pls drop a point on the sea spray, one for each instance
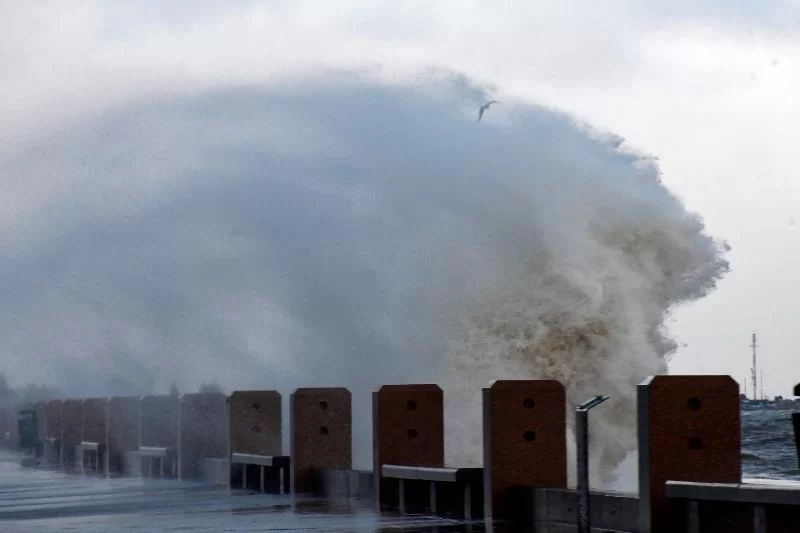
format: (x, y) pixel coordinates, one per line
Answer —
(586, 308)
(344, 230)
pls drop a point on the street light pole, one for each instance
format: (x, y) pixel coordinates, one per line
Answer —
(582, 448)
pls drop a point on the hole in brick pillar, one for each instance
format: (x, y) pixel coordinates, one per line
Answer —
(412, 433)
(529, 435)
(695, 443)
(694, 404)
(528, 403)
(411, 404)
(323, 430)
(256, 406)
(323, 405)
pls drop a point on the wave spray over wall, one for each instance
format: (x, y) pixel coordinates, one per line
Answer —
(332, 231)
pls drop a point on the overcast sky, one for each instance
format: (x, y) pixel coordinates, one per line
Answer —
(708, 87)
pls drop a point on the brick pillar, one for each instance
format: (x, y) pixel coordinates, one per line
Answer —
(41, 421)
(203, 431)
(524, 441)
(256, 422)
(159, 427)
(70, 431)
(123, 430)
(159, 421)
(408, 430)
(689, 430)
(321, 435)
(53, 412)
(94, 420)
(94, 428)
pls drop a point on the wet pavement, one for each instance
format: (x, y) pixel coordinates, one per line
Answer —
(42, 500)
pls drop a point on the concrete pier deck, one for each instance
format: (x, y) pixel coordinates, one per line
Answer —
(43, 500)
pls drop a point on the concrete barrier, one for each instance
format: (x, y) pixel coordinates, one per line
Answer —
(70, 432)
(256, 442)
(203, 432)
(408, 427)
(321, 435)
(760, 508)
(524, 442)
(92, 452)
(123, 431)
(689, 430)
(553, 510)
(159, 429)
(347, 484)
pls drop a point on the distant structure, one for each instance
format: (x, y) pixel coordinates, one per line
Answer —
(754, 369)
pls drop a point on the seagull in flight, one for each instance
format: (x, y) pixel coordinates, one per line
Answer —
(484, 107)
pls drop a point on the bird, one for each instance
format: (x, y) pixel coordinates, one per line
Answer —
(484, 107)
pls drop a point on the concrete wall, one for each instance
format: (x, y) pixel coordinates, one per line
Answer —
(216, 471)
(555, 511)
(548, 510)
(348, 484)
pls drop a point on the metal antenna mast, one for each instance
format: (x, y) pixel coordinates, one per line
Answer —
(754, 370)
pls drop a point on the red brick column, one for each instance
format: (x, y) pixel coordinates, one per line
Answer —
(53, 413)
(255, 422)
(203, 431)
(41, 419)
(322, 435)
(524, 441)
(159, 421)
(94, 420)
(123, 430)
(70, 431)
(408, 430)
(689, 430)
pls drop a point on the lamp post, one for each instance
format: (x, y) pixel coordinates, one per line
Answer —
(582, 448)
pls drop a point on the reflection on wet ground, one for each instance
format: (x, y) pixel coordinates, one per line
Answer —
(46, 500)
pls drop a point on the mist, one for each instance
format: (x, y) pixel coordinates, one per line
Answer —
(343, 230)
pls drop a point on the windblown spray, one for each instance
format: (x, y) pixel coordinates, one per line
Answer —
(340, 232)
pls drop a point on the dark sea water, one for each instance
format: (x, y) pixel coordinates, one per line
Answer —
(768, 449)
